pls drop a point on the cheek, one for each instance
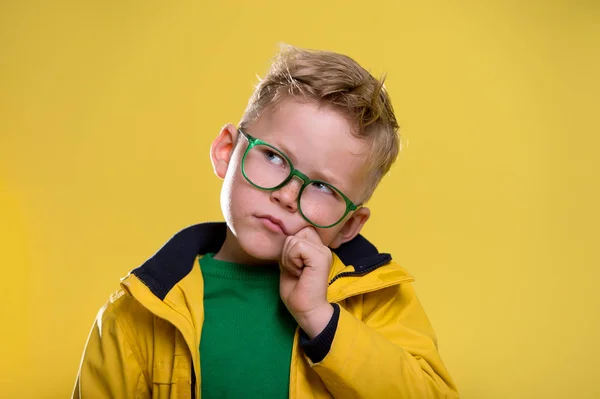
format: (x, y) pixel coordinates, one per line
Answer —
(237, 196)
(230, 191)
(327, 235)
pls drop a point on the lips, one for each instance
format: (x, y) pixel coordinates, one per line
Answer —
(274, 221)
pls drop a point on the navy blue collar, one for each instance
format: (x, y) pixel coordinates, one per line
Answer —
(176, 258)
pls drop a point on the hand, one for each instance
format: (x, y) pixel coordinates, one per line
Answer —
(305, 265)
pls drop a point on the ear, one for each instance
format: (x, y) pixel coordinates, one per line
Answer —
(222, 148)
(351, 227)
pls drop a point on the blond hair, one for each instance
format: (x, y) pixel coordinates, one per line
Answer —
(338, 81)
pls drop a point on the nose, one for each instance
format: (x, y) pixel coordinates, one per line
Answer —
(287, 196)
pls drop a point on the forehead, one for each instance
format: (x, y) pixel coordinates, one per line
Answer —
(318, 140)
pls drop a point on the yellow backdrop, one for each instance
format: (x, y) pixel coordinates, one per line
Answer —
(107, 113)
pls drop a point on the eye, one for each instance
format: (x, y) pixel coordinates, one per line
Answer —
(323, 188)
(274, 158)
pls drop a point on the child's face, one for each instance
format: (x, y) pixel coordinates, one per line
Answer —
(319, 143)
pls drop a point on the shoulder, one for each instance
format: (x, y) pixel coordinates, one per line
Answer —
(122, 315)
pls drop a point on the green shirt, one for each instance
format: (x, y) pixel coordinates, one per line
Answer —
(247, 336)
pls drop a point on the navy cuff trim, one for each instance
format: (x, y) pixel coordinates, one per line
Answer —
(318, 347)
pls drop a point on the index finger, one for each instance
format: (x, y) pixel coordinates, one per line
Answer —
(309, 233)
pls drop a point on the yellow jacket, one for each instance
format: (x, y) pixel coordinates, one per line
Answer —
(145, 340)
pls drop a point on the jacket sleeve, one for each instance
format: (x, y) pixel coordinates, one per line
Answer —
(109, 368)
(390, 353)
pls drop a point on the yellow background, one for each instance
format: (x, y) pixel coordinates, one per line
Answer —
(107, 111)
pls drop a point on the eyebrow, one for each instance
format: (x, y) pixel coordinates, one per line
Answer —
(318, 175)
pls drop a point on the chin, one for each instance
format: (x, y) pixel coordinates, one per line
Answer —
(260, 245)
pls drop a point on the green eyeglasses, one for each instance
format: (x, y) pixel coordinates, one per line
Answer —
(267, 168)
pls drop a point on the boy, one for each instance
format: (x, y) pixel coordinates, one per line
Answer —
(285, 299)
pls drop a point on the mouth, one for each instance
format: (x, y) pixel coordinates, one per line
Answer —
(273, 224)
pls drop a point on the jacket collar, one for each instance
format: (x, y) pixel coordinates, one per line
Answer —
(176, 258)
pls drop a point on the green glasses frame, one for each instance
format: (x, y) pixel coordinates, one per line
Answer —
(306, 181)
